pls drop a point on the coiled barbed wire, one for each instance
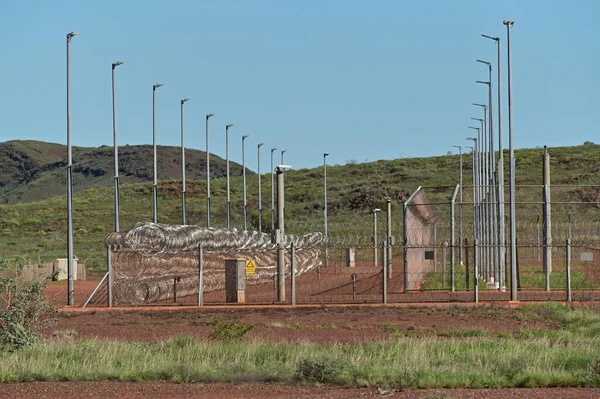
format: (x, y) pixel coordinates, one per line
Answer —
(160, 238)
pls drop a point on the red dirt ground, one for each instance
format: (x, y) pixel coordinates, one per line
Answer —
(265, 391)
(274, 324)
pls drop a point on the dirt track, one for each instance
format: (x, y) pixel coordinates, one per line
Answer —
(265, 391)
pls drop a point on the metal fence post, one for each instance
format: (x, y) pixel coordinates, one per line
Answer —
(405, 244)
(452, 239)
(435, 247)
(109, 282)
(293, 272)
(384, 271)
(466, 246)
(200, 276)
(539, 240)
(444, 261)
(568, 254)
(547, 220)
(547, 237)
(281, 236)
(475, 272)
(390, 238)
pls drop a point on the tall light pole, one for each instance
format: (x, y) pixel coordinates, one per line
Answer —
(513, 227)
(227, 160)
(375, 212)
(282, 152)
(501, 237)
(116, 148)
(183, 222)
(484, 188)
(476, 192)
(244, 174)
(259, 191)
(207, 153)
(272, 191)
(460, 182)
(70, 289)
(325, 207)
(492, 167)
(154, 180)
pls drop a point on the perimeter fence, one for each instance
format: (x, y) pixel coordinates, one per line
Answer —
(439, 244)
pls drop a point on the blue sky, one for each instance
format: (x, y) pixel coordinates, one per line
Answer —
(360, 80)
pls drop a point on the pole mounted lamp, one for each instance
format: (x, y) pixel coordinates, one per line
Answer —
(244, 137)
(70, 286)
(116, 148)
(500, 167)
(282, 152)
(183, 211)
(208, 116)
(154, 168)
(259, 190)
(272, 191)
(513, 228)
(375, 212)
(227, 160)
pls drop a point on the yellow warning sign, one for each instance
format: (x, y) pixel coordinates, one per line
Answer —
(250, 266)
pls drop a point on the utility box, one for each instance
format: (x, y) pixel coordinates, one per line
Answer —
(59, 269)
(235, 281)
(350, 257)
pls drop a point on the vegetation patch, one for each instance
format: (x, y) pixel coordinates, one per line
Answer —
(22, 307)
(229, 331)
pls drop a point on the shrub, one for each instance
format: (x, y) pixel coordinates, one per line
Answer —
(323, 370)
(229, 331)
(593, 378)
(22, 306)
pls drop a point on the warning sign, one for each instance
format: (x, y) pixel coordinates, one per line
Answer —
(250, 266)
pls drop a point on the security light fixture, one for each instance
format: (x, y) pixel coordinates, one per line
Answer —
(490, 37)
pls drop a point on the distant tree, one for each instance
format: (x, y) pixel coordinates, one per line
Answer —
(588, 143)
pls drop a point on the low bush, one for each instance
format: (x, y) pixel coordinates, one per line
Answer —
(322, 370)
(22, 306)
(229, 331)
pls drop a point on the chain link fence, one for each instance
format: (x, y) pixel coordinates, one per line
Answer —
(438, 244)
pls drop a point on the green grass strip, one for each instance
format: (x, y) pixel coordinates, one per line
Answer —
(428, 363)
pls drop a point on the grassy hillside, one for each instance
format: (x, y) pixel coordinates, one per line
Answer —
(34, 170)
(38, 228)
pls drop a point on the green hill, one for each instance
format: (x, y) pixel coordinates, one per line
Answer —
(37, 229)
(35, 170)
